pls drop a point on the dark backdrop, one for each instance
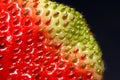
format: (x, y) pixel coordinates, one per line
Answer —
(103, 16)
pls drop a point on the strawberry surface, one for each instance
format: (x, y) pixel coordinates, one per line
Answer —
(44, 40)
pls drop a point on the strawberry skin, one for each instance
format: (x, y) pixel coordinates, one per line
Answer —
(44, 40)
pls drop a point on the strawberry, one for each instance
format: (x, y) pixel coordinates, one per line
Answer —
(44, 40)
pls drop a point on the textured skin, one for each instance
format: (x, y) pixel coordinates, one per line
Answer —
(44, 40)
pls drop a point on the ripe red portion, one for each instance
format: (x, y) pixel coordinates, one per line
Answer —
(25, 53)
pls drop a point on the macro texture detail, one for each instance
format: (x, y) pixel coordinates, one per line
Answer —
(45, 40)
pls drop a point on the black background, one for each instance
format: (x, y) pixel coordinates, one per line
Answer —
(103, 16)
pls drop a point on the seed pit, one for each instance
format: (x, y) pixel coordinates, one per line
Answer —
(16, 49)
(64, 16)
(14, 12)
(71, 74)
(56, 14)
(48, 12)
(61, 65)
(41, 38)
(37, 59)
(29, 41)
(27, 22)
(40, 52)
(25, 69)
(17, 40)
(24, 3)
(12, 69)
(74, 60)
(2, 45)
(26, 12)
(83, 56)
(56, 58)
(2, 37)
(37, 75)
(27, 58)
(71, 67)
(35, 4)
(39, 46)
(0, 65)
(89, 75)
(48, 21)
(35, 70)
(1, 56)
(16, 31)
(80, 78)
(3, 26)
(83, 66)
(27, 49)
(37, 22)
(14, 58)
(65, 24)
(15, 21)
(48, 54)
(3, 17)
(10, 7)
(29, 31)
(45, 63)
(51, 68)
(59, 74)
(38, 12)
